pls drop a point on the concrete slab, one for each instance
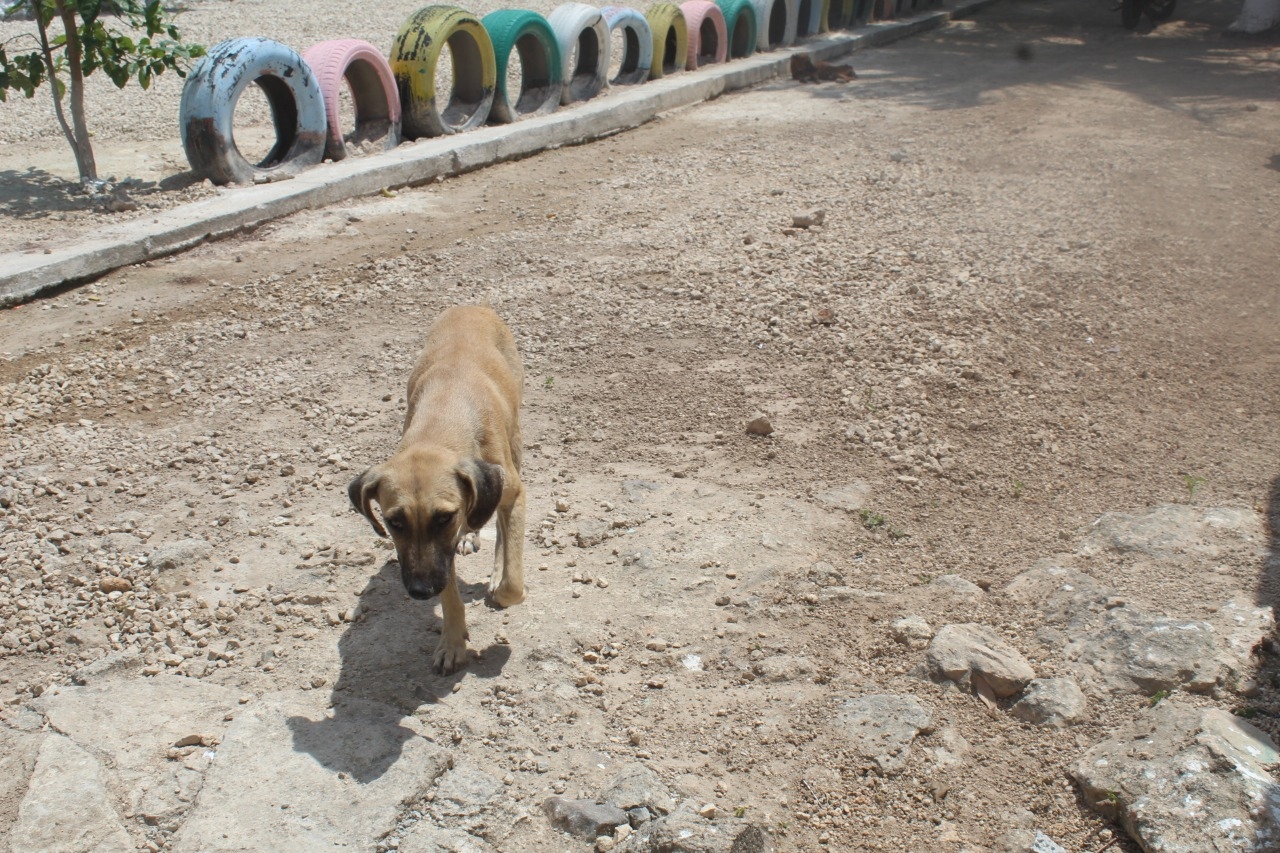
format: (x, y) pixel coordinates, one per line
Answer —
(24, 275)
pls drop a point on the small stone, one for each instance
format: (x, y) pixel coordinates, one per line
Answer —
(708, 811)
(605, 842)
(759, 426)
(583, 818)
(562, 505)
(809, 218)
(115, 585)
(656, 645)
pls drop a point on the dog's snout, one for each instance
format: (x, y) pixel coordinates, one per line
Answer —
(421, 588)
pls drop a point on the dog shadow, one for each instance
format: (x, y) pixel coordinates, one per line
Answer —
(386, 674)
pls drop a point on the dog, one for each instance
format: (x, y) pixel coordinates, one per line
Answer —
(805, 70)
(458, 462)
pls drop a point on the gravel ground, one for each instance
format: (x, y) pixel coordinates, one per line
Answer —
(1012, 319)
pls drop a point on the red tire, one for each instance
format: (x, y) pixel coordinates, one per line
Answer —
(708, 35)
(373, 92)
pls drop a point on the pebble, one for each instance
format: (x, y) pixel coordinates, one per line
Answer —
(759, 426)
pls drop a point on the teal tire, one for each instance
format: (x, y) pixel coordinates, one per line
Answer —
(537, 92)
(740, 21)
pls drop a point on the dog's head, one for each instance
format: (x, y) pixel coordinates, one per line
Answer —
(428, 499)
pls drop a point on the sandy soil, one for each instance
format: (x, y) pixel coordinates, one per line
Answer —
(1043, 290)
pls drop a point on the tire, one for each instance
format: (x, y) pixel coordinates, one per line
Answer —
(1131, 13)
(811, 18)
(775, 23)
(840, 14)
(670, 39)
(708, 37)
(414, 54)
(740, 23)
(637, 40)
(367, 74)
(583, 37)
(1161, 10)
(529, 34)
(208, 105)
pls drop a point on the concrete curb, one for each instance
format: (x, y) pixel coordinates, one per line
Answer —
(24, 274)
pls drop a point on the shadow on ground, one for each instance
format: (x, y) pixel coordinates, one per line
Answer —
(1070, 43)
(386, 674)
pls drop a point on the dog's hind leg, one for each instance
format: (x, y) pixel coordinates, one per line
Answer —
(507, 584)
(451, 653)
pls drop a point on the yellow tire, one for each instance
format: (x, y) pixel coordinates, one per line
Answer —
(670, 39)
(414, 56)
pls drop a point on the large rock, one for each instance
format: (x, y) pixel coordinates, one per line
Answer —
(290, 777)
(1052, 702)
(176, 555)
(1135, 650)
(1182, 779)
(428, 838)
(67, 808)
(18, 751)
(959, 652)
(1062, 594)
(134, 723)
(465, 791)
(583, 819)
(1173, 530)
(637, 786)
(684, 831)
(881, 728)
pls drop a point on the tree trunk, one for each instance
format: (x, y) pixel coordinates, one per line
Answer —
(1256, 16)
(80, 144)
(42, 26)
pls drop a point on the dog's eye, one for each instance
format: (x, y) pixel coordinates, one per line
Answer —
(396, 523)
(441, 520)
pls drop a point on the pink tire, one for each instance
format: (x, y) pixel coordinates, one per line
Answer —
(708, 36)
(373, 92)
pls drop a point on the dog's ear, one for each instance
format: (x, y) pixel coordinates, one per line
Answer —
(481, 488)
(361, 490)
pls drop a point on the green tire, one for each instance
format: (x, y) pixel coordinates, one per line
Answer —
(740, 22)
(530, 36)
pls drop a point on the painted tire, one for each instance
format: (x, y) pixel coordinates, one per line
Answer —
(775, 23)
(670, 39)
(740, 24)
(811, 17)
(373, 93)
(209, 100)
(708, 38)
(414, 54)
(583, 37)
(637, 40)
(840, 14)
(531, 37)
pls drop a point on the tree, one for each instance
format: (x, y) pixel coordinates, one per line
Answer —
(84, 46)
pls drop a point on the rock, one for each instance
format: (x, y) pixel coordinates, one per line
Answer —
(1027, 840)
(850, 497)
(114, 663)
(911, 631)
(881, 728)
(683, 831)
(1172, 530)
(959, 652)
(1052, 702)
(1060, 593)
(1135, 650)
(18, 753)
(751, 840)
(759, 426)
(175, 555)
(956, 587)
(424, 837)
(636, 786)
(1243, 627)
(67, 807)
(465, 791)
(583, 819)
(591, 532)
(779, 668)
(809, 218)
(1185, 778)
(111, 584)
(291, 777)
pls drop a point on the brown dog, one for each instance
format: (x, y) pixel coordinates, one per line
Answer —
(805, 70)
(458, 461)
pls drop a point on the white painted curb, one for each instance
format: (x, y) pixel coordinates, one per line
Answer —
(26, 274)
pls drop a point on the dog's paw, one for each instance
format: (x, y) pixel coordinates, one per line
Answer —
(505, 596)
(469, 544)
(449, 657)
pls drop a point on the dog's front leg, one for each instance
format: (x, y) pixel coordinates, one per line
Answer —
(451, 653)
(507, 587)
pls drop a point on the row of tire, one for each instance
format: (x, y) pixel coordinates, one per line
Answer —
(563, 58)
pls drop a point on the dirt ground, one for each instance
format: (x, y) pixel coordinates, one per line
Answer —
(1044, 289)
